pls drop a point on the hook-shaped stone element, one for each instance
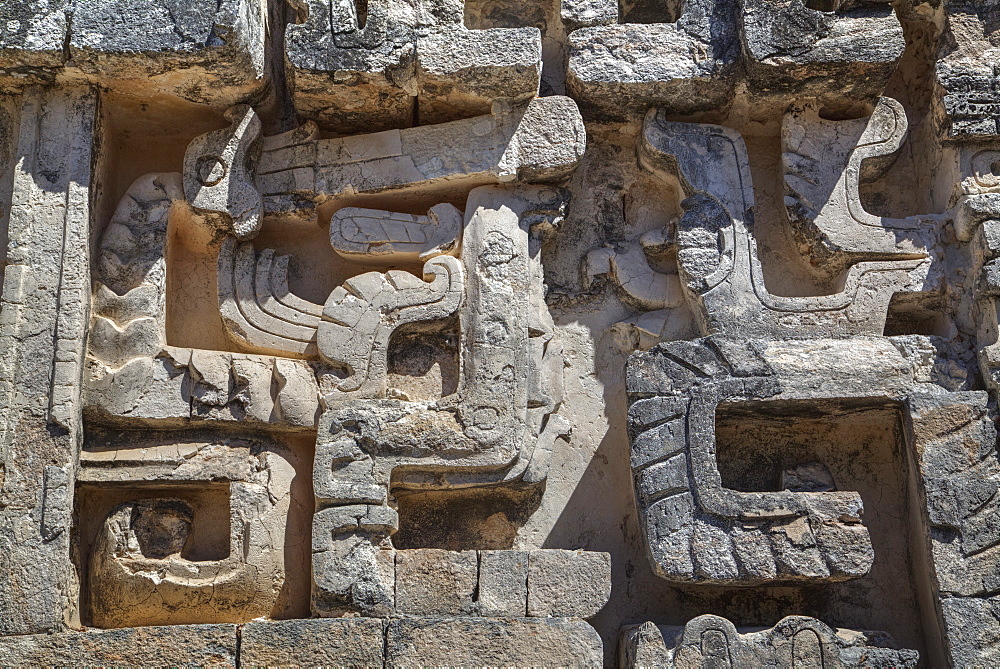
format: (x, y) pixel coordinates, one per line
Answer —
(219, 174)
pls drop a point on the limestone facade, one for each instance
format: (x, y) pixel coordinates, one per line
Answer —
(500, 332)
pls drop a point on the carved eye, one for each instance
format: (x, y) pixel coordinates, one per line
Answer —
(211, 170)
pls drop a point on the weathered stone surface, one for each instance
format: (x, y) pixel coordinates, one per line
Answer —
(966, 72)
(32, 35)
(568, 584)
(794, 640)
(492, 641)
(343, 642)
(406, 57)
(436, 583)
(203, 645)
(689, 66)
(401, 333)
(139, 47)
(794, 48)
(44, 310)
(503, 583)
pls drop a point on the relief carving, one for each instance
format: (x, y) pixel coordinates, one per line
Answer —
(440, 333)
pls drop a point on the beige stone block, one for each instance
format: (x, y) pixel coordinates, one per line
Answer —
(568, 583)
(338, 642)
(504, 642)
(436, 582)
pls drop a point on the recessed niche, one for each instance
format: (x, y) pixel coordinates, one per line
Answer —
(853, 445)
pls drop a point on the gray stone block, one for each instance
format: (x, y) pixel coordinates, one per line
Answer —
(790, 48)
(687, 66)
(436, 582)
(505, 642)
(179, 645)
(568, 583)
(32, 33)
(151, 42)
(352, 642)
(503, 583)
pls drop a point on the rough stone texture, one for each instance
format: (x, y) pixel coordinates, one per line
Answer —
(492, 642)
(436, 583)
(203, 53)
(344, 642)
(792, 47)
(715, 641)
(32, 35)
(406, 321)
(204, 645)
(503, 583)
(568, 583)
(690, 65)
(407, 57)
(43, 315)
(967, 73)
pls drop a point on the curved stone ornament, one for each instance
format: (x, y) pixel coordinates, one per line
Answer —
(717, 253)
(697, 529)
(795, 641)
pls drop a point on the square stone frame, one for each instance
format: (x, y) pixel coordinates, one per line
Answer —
(695, 528)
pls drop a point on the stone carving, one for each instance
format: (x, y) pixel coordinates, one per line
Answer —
(714, 641)
(719, 269)
(44, 307)
(696, 528)
(258, 309)
(966, 73)
(500, 423)
(318, 332)
(826, 162)
(143, 569)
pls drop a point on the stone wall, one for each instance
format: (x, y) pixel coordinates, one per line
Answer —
(499, 332)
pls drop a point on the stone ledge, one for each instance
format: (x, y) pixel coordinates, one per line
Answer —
(356, 642)
(146, 646)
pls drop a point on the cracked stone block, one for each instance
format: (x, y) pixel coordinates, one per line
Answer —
(407, 60)
(568, 584)
(178, 645)
(432, 582)
(32, 37)
(209, 53)
(503, 583)
(492, 641)
(686, 66)
(341, 642)
(792, 49)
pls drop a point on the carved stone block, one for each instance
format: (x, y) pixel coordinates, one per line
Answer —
(967, 73)
(795, 640)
